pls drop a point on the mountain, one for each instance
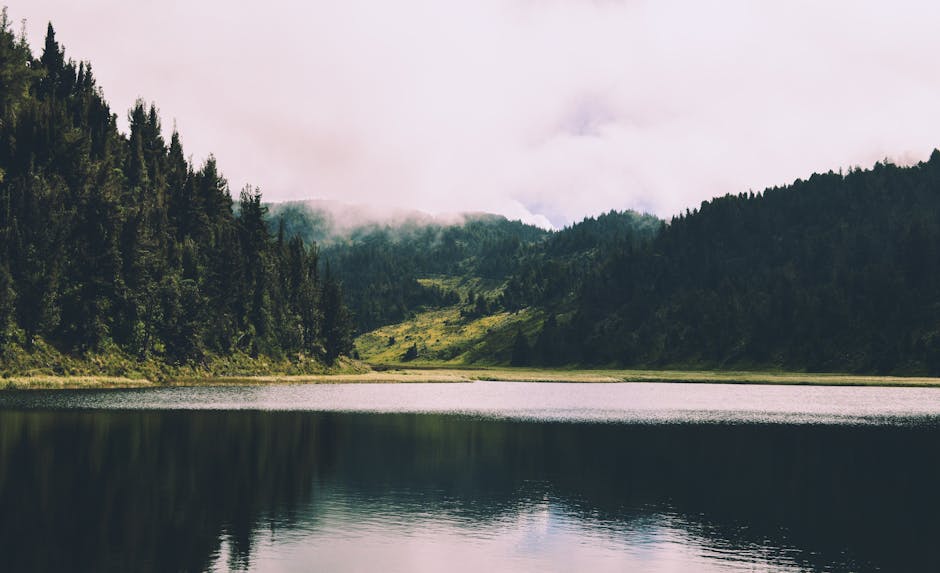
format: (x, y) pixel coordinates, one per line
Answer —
(115, 245)
(839, 272)
(381, 258)
(464, 277)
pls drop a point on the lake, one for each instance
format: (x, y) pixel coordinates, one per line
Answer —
(468, 477)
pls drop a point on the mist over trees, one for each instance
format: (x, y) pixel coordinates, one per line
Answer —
(118, 242)
(840, 272)
(380, 263)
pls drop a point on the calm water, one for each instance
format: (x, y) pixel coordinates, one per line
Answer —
(464, 477)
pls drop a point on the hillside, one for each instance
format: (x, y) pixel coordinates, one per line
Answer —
(115, 246)
(117, 252)
(381, 259)
(839, 272)
(452, 289)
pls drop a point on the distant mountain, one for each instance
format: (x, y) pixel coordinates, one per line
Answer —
(326, 221)
(116, 244)
(840, 272)
(381, 256)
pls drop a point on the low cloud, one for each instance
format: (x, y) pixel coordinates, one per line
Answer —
(545, 111)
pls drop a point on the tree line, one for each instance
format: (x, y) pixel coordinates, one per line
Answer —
(380, 263)
(112, 241)
(839, 272)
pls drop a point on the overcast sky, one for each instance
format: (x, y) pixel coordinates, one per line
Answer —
(545, 110)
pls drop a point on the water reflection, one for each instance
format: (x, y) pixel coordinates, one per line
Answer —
(189, 491)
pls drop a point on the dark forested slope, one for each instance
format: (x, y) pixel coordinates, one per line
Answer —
(838, 272)
(116, 243)
(380, 261)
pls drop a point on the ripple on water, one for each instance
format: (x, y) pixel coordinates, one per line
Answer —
(653, 403)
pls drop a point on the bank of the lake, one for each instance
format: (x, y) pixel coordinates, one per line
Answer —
(44, 367)
(360, 374)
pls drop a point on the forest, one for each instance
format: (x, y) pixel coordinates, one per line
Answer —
(116, 243)
(838, 272)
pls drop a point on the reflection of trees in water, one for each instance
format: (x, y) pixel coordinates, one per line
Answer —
(146, 491)
(867, 494)
(155, 491)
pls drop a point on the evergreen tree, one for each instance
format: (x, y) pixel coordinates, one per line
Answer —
(521, 354)
(337, 322)
(549, 347)
(53, 82)
(7, 306)
(114, 242)
(256, 250)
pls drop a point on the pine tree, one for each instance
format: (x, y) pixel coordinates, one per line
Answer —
(521, 355)
(337, 322)
(304, 270)
(549, 349)
(7, 306)
(117, 242)
(54, 66)
(255, 247)
(16, 78)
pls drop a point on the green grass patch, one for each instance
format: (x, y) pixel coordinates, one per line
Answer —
(464, 285)
(71, 382)
(445, 337)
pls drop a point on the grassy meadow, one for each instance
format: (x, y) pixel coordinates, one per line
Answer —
(443, 337)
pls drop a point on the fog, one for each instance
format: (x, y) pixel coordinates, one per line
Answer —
(542, 110)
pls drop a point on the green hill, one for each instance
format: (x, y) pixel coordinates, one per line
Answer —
(115, 247)
(840, 272)
(114, 244)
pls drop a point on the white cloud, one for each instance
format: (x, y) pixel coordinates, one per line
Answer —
(536, 109)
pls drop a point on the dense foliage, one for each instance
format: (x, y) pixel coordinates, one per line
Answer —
(838, 272)
(380, 263)
(552, 272)
(113, 241)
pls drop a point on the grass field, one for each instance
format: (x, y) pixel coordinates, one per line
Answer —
(464, 285)
(72, 382)
(444, 337)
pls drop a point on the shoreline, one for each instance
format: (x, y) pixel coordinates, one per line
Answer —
(443, 374)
